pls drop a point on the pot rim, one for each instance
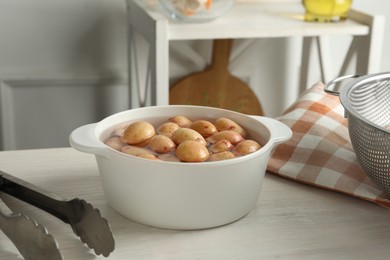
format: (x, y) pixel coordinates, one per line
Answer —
(277, 132)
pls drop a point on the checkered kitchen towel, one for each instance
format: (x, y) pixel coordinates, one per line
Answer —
(320, 151)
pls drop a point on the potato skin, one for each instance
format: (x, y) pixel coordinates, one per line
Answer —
(120, 130)
(221, 156)
(178, 139)
(221, 146)
(162, 144)
(232, 136)
(182, 121)
(203, 127)
(135, 150)
(115, 142)
(148, 156)
(138, 132)
(167, 129)
(223, 123)
(183, 134)
(168, 157)
(192, 151)
(246, 147)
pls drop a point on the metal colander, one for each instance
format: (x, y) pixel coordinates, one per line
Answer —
(367, 106)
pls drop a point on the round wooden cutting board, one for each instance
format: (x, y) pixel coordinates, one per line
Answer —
(216, 86)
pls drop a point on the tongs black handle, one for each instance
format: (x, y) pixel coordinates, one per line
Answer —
(49, 202)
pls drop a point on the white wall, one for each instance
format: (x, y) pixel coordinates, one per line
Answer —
(71, 55)
(63, 64)
(378, 7)
(56, 38)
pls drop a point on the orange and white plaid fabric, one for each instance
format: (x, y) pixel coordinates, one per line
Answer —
(320, 152)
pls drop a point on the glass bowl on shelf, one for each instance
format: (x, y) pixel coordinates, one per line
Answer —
(195, 10)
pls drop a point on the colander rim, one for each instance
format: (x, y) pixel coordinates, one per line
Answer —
(362, 80)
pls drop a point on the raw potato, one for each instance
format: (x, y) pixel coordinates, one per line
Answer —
(148, 156)
(180, 140)
(203, 127)
(115, 142)
(168, 157)
(138, 132)
(143, 144)
(246, 147)
(221, 146)
(183, 134)
(167, 129)
(162, 144)
(182, 121)
(228, 124)
(120, 131)
(135, 150)
(221, 156)
(192, 151)
(232, 136)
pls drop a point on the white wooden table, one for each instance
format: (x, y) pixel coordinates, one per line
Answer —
(291, 220)
(247, 19)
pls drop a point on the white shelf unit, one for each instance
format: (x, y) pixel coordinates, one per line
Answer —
(248, 19)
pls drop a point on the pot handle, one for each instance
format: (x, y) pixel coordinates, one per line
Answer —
(279, 131)
(84, 140)
(337, 80)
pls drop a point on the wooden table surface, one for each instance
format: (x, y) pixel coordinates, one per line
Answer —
(290, 221)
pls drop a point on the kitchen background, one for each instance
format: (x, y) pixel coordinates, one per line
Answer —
(63, 64)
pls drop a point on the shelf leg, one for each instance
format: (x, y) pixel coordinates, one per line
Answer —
(156, 73)
(369, 47)
(305, 62)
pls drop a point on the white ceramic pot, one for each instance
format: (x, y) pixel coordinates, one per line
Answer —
(178, 195)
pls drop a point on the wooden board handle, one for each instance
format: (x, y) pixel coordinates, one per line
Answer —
(221, 54)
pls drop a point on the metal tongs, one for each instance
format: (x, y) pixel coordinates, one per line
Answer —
(30, 238)
(85, 220)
